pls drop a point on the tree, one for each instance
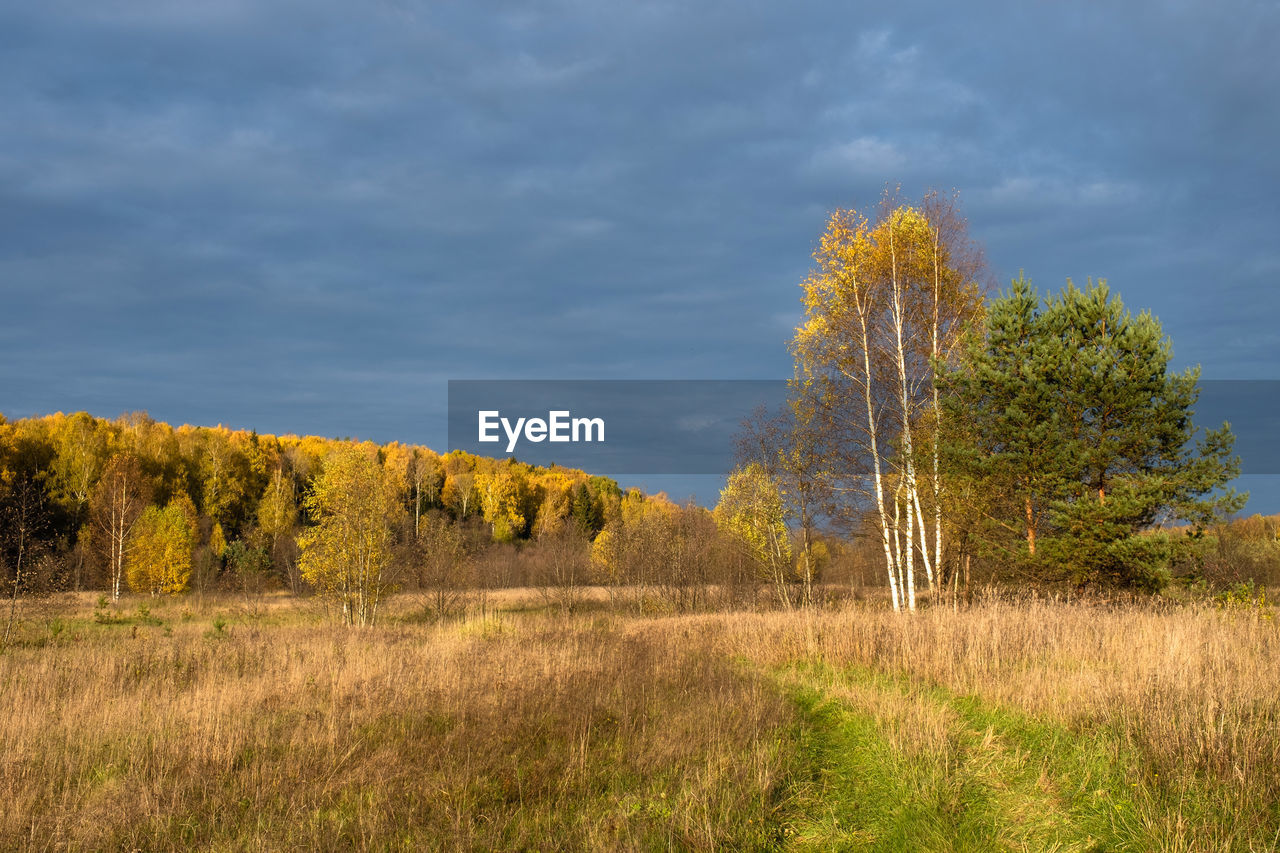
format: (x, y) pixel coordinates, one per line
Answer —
(750, 509)
(207, 545)
(347, 554)
(888, 301)
(217, 541)
(224, 473)
(81, 444)
(788, 446)
(278, 522)
(1009, 377)
(440, 557)
(695, 558)
(159, 554)
(587, 510)
(503, 496)
(24, 515)
(118, 499)
(251, 565)
(555, 505)
(1073, 420)
(562, 566)
(426, 477)
(459, 491)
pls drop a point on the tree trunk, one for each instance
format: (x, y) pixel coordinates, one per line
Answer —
(924, 543)
(890, 565)
(937, 407)
(805, 544)
(17, 578)
(897, 541)
(1031, 529)
(908, 454)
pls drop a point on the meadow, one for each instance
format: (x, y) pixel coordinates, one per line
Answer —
(219, 723)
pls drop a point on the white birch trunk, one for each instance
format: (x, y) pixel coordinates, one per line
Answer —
(117, 523)
(924, 539)
(897, 540)
(907, 451)
(890, 564)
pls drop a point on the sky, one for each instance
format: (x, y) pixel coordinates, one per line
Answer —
(307, 217)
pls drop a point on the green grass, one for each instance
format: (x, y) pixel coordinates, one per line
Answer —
(894, 765)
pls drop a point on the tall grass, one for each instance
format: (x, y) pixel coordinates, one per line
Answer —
(1188, 696)
(215, 727)
(513, 734)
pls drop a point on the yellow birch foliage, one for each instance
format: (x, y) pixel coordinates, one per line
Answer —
(159, 554)
(356, 504)
(751, 509)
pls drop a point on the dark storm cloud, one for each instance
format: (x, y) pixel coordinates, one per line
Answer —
(308, 216)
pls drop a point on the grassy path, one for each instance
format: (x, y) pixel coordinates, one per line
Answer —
(900, 766)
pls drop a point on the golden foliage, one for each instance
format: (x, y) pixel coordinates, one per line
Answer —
(355, 503)
(159, 553)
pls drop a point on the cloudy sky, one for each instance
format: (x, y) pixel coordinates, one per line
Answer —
(307, 217)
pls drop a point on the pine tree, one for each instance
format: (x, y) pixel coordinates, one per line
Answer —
(587, 511)
(1073, 429)
(1002, 426)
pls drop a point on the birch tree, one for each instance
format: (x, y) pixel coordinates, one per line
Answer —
(117, 501)
(425, 479)
(81, 452)
(750, 509)
(887, 302)
(278, 521)
(347, 554)
(160, 544)
(787, 445)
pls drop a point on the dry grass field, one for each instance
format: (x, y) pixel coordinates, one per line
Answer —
(205, 724)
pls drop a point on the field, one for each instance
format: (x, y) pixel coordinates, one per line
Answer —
(193, 723)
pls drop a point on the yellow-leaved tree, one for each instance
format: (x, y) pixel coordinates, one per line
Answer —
(503, 495)
(355, 504)
(115, 505)
(159, 553)
(889, 299)
(751, 511)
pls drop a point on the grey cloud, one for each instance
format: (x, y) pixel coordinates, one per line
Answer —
(367, 201)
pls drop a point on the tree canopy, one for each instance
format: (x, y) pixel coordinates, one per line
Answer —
(347, 553)
(1064, 416)
(159, 554)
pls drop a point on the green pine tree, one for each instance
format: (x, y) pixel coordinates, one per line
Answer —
(1072, 430)
(587, 510)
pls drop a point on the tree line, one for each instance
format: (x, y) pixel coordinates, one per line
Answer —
(87, 502)
(134, 504)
